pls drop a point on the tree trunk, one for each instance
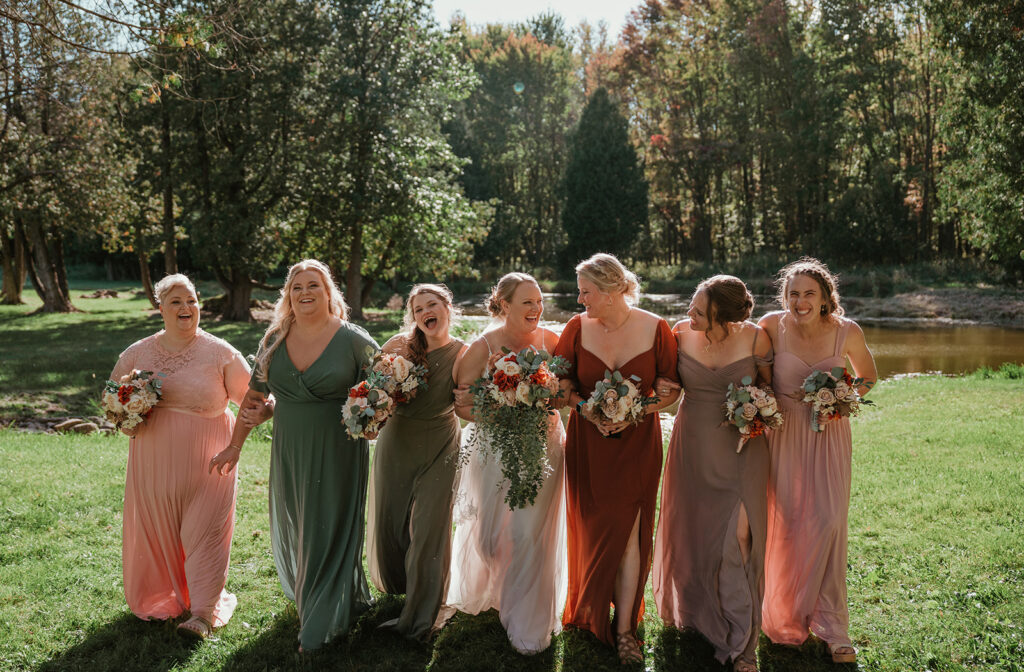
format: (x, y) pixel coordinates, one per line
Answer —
(14, 269)
(49, 287)
(354, 275)
(147, 279)
(237, 295)
(170, 242)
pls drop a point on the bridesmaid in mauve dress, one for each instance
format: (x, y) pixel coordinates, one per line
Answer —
(709, 550)
(612, 471)
(414, 465)
(178, 519)
(309, 358)
(809, 483)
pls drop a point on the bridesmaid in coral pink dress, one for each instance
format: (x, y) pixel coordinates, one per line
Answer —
(178, 517)
(809, 482)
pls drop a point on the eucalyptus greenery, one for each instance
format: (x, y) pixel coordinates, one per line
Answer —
(515, 429)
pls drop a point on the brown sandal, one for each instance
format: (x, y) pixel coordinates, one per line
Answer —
(744, 666)
(629, 648)
(196, 627)
(841, 656)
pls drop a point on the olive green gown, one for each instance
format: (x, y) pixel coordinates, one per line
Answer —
(410, 519)
(318, 487)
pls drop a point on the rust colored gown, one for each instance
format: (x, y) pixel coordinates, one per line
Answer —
(607, 480)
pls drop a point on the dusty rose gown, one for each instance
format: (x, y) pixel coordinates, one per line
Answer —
(808, 507)
(178, 517)
(700, 579)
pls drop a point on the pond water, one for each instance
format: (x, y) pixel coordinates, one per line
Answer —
(898, 346)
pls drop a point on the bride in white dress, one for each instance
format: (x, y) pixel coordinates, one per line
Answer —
(512, 561)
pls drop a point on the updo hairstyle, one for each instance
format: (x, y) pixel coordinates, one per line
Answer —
(610, 276)
(169, 282)
(504, 290)
(729, 300)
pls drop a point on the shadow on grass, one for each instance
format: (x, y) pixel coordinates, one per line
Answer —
(685, 651)
(365, 647)
(811, 656)
(126, 643)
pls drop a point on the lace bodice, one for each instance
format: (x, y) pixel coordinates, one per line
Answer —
(200, 379)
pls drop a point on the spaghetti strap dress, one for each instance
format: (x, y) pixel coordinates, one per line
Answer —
(808, 509)
(700, 579)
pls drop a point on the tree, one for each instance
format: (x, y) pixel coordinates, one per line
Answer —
(982, 188)
(514, 128)
(605, 190)
(60, 169)
(377, 185)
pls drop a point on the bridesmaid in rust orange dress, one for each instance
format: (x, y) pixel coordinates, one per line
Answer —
(612, 470)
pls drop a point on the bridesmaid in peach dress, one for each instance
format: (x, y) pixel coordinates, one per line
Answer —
(178, 518)
(809, 484)
(709, 550)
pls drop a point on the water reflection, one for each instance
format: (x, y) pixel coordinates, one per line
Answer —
(898, 348)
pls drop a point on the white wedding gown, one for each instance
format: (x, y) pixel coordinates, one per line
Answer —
(512, 561)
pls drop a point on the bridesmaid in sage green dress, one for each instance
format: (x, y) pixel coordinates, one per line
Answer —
(308, 359)
(410, 512)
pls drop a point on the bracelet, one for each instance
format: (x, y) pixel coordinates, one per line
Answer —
(238, 448)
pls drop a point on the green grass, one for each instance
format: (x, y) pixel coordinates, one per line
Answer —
(55, 364)
(935, 580)
(936, 560)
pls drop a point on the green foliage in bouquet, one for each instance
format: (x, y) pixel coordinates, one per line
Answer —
(511, 406)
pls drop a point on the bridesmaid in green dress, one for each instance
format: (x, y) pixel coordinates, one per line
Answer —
(309, 357)
(410, 517)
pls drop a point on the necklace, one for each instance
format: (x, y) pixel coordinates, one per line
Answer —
(607, 330)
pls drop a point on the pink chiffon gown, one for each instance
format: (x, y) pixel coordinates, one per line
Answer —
(178, 517)
(808, 507)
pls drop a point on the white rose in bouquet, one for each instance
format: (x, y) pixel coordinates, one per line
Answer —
(749, 411)
(508, 367)
(401, 366)
(136, 405)
(523, 393)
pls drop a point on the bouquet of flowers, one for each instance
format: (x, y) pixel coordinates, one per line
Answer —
(391, 379)
(831, 394)
(617, 399)
(751, 409)
(129, 401)
(510, 404)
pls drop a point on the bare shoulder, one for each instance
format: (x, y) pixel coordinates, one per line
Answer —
(681, 325)
(396, 344)
(548, 339)
(854, 331)
(770, 321)
(646, 316)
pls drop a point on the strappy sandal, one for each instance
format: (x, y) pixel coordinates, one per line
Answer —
(196, 627)
(744, 666)
(840, 656)
(629, 648)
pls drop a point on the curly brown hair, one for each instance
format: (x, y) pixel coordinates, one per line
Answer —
(826, 279)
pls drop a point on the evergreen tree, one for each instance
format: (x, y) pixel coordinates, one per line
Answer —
(606, 194)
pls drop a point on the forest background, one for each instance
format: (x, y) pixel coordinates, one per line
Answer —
(228, 138)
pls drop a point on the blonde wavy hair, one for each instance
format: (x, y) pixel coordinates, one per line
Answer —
(284, 316)
(610, 276)
(415, 339)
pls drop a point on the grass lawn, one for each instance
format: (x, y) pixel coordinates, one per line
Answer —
(936, 576)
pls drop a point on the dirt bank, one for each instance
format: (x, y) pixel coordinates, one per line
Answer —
(991, 306)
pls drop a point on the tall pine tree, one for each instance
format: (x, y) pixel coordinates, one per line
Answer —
(605, 190)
